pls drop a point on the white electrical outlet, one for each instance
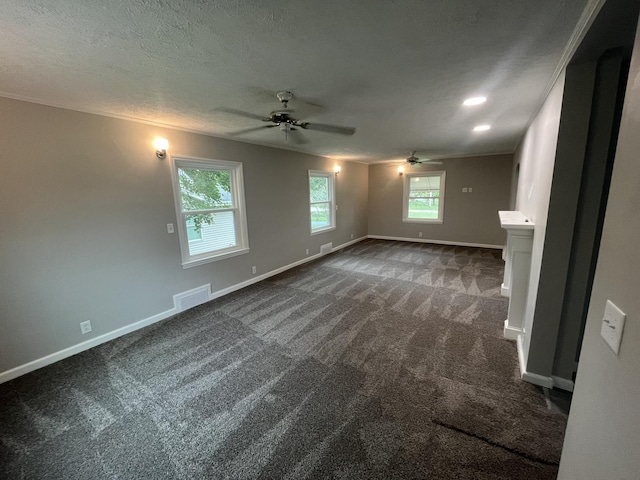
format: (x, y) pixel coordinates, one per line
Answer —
(85, 327)
(253, 269)
(352, 236)
(464, 189)
(307, 251)
(420, 234)
(470, 190)
(613, 326)
(170, 228)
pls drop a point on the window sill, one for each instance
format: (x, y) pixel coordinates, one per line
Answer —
(322, 230)
(422, 220)
(214, 258)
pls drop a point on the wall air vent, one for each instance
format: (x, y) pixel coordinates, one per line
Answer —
(326, 248)
(189, 299)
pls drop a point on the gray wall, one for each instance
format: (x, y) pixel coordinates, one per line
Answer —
(84, 207)
(603, 433)
(468, 217)
(515, 176)
(536, 156)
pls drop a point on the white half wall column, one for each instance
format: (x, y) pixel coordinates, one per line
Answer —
(516, 271)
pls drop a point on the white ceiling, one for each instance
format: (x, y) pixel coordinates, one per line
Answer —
(397, 70)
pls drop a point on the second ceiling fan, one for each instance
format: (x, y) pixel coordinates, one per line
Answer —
(413, 160)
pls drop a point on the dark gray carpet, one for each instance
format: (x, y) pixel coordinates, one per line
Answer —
(382, 361)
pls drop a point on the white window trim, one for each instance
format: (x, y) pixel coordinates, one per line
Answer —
(237, 181)
(405, 197)
(332, 200)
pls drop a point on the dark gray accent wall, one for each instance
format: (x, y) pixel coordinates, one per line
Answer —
(563, 202)
(594, 187)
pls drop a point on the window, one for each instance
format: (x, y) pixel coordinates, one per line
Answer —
(321, 201)
(194, 234)
(423, 197)
(209, 197)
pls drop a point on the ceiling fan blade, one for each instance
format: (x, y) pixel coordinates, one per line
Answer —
(431, 162)
(240, 113)
(249, 130)
(297, 136)
(322, 127)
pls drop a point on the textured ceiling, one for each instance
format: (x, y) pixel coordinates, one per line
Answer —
(397, 70)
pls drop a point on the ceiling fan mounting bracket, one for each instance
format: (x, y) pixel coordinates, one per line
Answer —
(284, 96)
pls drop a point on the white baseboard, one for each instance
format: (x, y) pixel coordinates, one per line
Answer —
(438, 242)
(350, 242)
(521, 361)
(264, 276)
(534, 378)
(563, 383)
(94, 342)
(504, 291)
(511, 333)
(81, 347)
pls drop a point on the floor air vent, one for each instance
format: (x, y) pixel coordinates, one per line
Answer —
(189, 299)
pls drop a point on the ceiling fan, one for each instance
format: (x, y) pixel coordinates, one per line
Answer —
(413, 160)
(283, 119)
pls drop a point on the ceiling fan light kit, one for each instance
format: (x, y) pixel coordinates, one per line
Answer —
(283, 119)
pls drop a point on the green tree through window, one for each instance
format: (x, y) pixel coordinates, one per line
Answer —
(204, 190)
(423, 197)
(321, 200)
(210, 206)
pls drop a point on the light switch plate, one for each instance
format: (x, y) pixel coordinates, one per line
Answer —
(613, 326)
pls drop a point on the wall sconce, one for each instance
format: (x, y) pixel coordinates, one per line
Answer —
(400, 170)
(161, 145)
(337, 169)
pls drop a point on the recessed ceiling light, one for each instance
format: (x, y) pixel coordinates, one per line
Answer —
(474, 101)
(481, 128)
